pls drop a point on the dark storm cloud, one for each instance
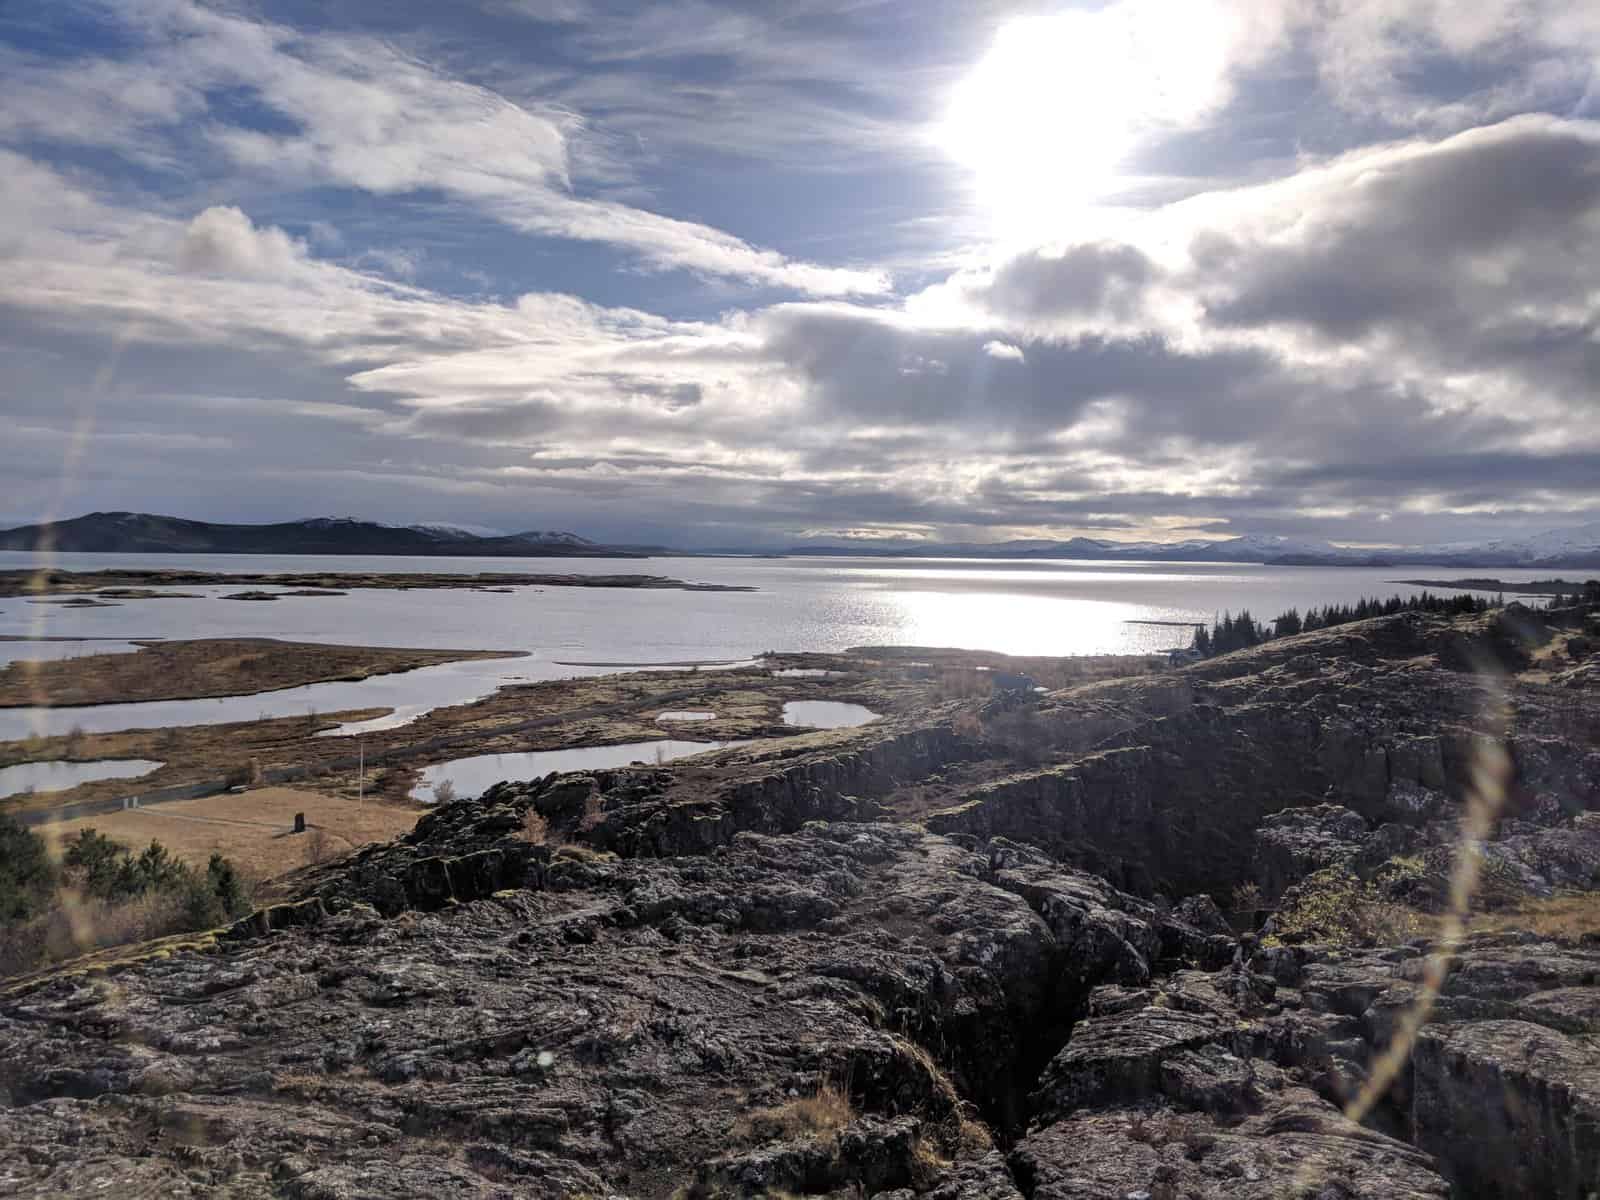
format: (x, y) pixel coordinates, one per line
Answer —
(1103, 279)
(1485, 473)
(1445, 239)
(868, 370)
(529, 419)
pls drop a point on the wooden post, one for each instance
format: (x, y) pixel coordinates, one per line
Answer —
(300, 822)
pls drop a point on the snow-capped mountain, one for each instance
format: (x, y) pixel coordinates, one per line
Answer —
(1267, 545)
(1580, 541)
(1576, 548)
(552, 537)
(445, 533)
(433, 531)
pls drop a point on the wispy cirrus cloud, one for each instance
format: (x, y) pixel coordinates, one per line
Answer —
(355, 112)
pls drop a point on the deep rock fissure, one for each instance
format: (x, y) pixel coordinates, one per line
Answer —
(719, 942)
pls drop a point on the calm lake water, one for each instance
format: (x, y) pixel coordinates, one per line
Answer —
(1016, 607)
(469, 777)
(54, 776)
(827, 714)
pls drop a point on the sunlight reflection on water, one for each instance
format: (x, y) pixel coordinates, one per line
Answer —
(1043, 607)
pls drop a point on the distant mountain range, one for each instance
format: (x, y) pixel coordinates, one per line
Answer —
(1577, 548)
(143, 533)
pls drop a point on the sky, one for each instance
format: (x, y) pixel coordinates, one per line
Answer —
(722, 274)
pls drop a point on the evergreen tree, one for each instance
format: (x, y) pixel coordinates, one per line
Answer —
(225, 884)
(27, 876)
(1246, 630)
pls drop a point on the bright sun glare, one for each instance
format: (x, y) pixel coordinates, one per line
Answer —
(1051, 112)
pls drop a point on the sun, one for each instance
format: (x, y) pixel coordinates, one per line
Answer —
(1049, 116)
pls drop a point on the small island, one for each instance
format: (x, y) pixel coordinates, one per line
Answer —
(86, 586)
(208, 667)
(1537, 587)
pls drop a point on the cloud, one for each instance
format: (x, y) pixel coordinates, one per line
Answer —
(1449, 267)
(1510, 55)
(354, 111)
(1402, 333)
(222, 240)
(823, 414)
(394, 261)
(1048, 287)
(1428, 235)
(807, 88)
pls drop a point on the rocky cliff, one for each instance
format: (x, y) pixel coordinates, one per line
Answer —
(975, 954)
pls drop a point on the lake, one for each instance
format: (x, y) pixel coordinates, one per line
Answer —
(57, 776)
(1047, 607)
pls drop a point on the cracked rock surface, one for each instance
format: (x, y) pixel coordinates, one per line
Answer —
(762, 977)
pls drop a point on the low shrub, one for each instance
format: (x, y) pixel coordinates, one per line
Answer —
(1020, 733)
(1247, 902)
(535, 829)
(103, 894)
(824, 1112)
(1334, 907)
(967, 724)
(76, 924)
(963, 683)
(318, 849)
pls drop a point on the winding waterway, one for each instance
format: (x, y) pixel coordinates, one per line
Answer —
(827, 604)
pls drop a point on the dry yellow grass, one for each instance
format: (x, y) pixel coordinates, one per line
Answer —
(824, 1112)
(252, 828)
(1568, 918)
(535, 829)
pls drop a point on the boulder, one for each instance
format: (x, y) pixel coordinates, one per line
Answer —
(1511, 1107)
(1297, 1146)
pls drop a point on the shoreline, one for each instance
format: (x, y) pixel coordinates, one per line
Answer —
(1534, 587)
(47, 583)
(163, 670)
(580, 712)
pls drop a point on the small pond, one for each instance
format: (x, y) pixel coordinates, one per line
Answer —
(826, 714)
(473, 776)
(54, 776)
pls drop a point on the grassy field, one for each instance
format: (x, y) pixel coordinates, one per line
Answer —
(252, 828)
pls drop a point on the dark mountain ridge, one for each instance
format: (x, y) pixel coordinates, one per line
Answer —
(145, 533)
